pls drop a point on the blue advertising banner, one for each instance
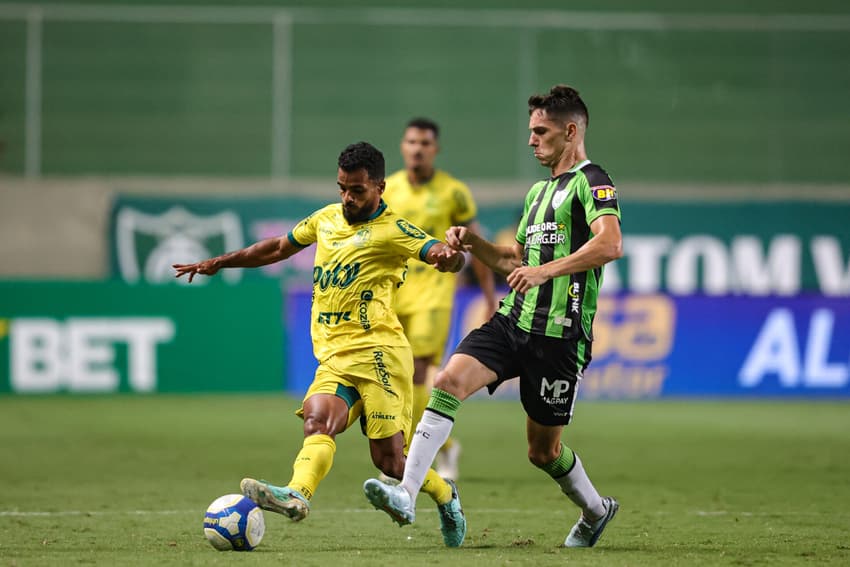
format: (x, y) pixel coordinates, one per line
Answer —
(650, 346)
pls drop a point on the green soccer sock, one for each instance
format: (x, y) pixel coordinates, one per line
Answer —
(562, 465)
(443, 403)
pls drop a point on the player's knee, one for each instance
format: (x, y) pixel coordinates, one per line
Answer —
(447, 382)
(540, 457)
(317, 425)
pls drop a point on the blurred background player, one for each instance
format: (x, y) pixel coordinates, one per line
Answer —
(434, 201)
(365, 361)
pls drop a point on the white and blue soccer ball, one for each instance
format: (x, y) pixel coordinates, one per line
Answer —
(234, 522)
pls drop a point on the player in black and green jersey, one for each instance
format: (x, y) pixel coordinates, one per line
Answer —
(542, 332)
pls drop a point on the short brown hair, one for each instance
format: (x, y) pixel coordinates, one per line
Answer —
(561, 101)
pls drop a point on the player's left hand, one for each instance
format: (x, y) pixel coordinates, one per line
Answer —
(524, 278)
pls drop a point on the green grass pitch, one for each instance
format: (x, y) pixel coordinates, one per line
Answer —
(125, 481)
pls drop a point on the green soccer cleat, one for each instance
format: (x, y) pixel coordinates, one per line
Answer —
(586, 534)
(452, 520)
(392, 499)
(280, 499)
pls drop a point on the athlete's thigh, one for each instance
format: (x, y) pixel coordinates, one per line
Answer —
(494, 346)
(549, 379)
(331, 379)
(383, 378)
(463, 375)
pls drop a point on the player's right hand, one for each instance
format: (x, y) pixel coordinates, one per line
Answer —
(207, 267)
(457, 238)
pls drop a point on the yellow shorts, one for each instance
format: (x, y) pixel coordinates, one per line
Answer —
(427, 332)
(377, 386)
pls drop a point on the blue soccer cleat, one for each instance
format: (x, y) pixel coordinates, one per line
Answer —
(280, 499)
(392, 499)
(586, 534)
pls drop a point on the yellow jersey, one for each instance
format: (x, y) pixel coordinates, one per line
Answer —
(441, 202)
(356, 273)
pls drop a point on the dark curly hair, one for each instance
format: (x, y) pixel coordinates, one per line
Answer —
(363, 155)
(562, 102)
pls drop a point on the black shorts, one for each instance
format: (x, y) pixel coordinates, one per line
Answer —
(549, 368)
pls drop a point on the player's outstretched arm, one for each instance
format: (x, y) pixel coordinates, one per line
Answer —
(502, 259)
(260, 253)
(484, 275)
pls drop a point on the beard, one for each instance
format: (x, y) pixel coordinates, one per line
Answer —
(354, 215)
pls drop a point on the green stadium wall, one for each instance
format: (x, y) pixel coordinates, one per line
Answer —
(719, 93)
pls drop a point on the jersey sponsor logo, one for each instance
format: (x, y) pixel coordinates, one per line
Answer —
(341, 275)
(410, 230)
(604, 193)
(548, 232)
(553, 392)
(333, 317)
(381, 372)
(575, 295)
(363, 309)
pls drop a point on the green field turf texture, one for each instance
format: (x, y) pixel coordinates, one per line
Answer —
(125, 481)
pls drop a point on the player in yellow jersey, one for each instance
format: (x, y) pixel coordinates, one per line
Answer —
(433, 200)
(365, 361)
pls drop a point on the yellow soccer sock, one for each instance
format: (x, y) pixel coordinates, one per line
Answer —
(421, 395)
(448, 444)
(312, 464)
(438, 489)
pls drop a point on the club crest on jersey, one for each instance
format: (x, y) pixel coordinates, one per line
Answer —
(361, 238)
(604, 193)
(558, 198)
(410, 230)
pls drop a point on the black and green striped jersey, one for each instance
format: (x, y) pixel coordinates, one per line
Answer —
(555, 223)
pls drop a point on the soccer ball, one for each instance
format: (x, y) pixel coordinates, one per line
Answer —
(234, 522)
